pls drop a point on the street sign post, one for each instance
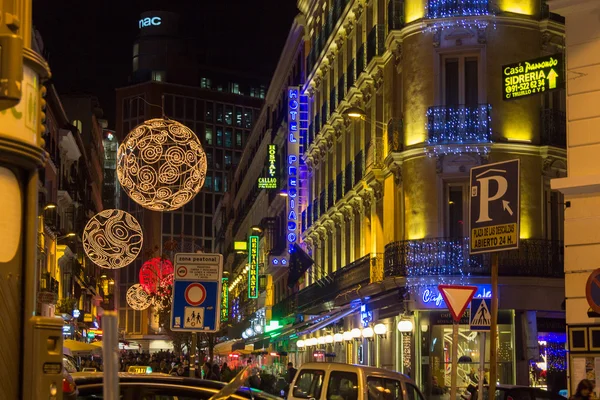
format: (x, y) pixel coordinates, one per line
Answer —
(494, 226)
(481, 317)
(457, 299)
(196, 292)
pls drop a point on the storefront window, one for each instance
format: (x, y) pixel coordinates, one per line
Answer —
(437, 347)
(549, 371)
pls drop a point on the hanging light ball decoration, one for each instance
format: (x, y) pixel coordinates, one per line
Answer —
(112, 239)
(161, 164)
(154, 272)
(138, 298)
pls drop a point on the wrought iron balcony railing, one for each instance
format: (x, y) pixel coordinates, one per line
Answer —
(554, 127)
(459, 124)
(395, 14)
(448, 257)
(375, 42)
(457, 8)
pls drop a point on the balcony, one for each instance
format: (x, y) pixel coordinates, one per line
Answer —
(375, 154)
(395, 14)
(395, 136)
(456, 8)
(360, 60)
(554, 128)
(450, 257)
(375, 42)
(459, 125)
(348, 175)
(359, 167)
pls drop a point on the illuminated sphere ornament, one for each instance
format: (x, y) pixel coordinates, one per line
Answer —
(112, 239)
(161, 164)
(138, 298)
(156, 273)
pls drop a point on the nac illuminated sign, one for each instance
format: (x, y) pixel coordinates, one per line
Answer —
(149, 21)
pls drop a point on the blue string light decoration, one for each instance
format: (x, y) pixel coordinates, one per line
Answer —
(448, 261)
(556, 357)
(459, 13)
(460, 129)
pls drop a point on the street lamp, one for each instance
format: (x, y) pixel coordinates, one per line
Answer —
(49, 206)
(355, 113)
(283, 193)
(68, 235)
(256, 228)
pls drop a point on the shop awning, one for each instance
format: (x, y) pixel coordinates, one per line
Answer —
(225, 348)
(330, 319)
(80, 348)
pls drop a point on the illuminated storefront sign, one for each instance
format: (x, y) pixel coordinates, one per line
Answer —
(224, 299)
(530, 77)
(270, 182)
(240, 246)
(292, 165)
(149, 21)
(253, 267)
(432, 298)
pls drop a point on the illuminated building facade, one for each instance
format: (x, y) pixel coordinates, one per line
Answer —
(385, 213)
(221, 107)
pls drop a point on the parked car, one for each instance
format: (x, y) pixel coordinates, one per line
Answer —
(160, 386)
(68, 384)
(337, 381)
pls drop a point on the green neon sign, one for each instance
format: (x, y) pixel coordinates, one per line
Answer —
(224, 299)
(531, 77)
(253, 264)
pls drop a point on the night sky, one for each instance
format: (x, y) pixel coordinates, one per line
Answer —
(88, 43)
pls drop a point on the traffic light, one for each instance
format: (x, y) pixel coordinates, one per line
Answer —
(42, 115)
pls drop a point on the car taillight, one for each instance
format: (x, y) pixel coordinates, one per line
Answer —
(68, 387)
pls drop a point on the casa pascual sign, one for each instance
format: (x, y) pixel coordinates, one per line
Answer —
(531, 77)
(270, 181)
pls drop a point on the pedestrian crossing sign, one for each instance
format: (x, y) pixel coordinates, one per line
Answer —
(481, 317)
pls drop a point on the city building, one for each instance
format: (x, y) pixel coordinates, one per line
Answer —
(580, 187)
(252, 214)
(404, 98)
(68, 196)
(220, 106)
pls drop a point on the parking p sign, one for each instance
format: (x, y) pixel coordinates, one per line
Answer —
(196, 292)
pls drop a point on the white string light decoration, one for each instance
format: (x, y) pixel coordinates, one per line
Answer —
(161, 164)
(112, 239)
(138, 298)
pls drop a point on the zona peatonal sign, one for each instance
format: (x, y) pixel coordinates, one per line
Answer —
(531, 77)
(494, 207)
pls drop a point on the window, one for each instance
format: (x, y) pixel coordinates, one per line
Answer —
(136, 49)
(308, 384)
(461, 80)
(412, 393)
(238, 139)
(228, 160)
(342, 386)
(217, 185)
(208, 135)
(228, 137)
(555, 211)
(136, 64)
(208, 183)
(205, 83)
(262, 92)
(238, 116)
(456, 203)
(248, 118)
(209, 112)
(158, 76)
(383, 389)
(229, 115)
(209, 159)
(220, 113)
(235, 88)
(219, 136)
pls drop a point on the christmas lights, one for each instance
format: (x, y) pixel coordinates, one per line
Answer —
(457, 8)
(456, 130)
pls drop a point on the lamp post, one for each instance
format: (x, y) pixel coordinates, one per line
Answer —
(380, 332)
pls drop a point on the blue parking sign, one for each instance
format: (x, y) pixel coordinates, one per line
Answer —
(196, 301)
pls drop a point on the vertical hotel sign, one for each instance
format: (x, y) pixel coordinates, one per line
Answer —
(297, 113)
(224, 299)
(253, 267)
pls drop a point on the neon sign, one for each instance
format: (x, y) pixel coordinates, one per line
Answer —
(270, 182)
(224, 299)
(532, 76)
(433, 298)
(149, 21)
(253, 268)
(292, 166)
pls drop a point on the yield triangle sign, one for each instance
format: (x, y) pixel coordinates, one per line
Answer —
(457, 298)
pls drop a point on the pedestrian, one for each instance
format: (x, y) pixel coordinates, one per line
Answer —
(585, 390)
(291, 373)
(216, 372)
(226, 373)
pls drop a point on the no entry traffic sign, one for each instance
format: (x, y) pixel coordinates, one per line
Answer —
(592, 290)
